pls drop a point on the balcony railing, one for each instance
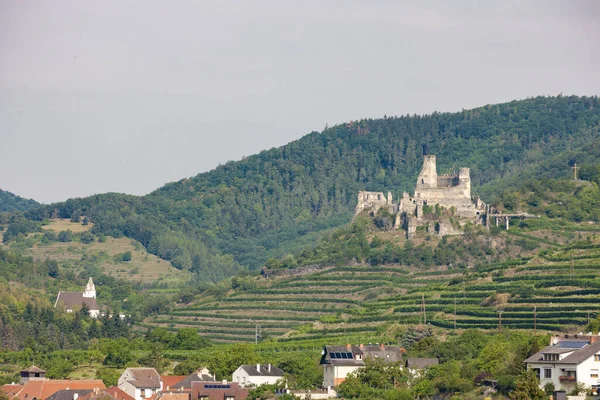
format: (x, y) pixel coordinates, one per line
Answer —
(567, 378)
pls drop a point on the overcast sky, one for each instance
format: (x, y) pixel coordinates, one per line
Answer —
(99, 96)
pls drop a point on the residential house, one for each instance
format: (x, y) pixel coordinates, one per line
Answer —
(68, 394)
(169, 381)
(74, 300)
(32, 373)
(339, 361)
(417, 365)
(140, 383)
(201, 375)
(218, 391)
(43, 389)
(567, 361)
(257, 374)
(113, 393)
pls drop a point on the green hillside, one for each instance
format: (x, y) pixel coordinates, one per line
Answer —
(281, 200)
(554, 274)
(11, 202)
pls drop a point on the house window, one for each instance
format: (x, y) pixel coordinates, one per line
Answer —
(359, 356)
(594, 373)
(143, 392)
(596, 357)
(547, 373)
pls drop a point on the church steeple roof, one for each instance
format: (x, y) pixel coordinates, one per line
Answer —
(90, 285)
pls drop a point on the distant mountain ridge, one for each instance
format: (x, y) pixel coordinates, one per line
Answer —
(11, 202)
(282, 199)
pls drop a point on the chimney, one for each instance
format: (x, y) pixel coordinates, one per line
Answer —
(224, 381)
(75, 396)
(361, 346)
(381, 346)
(348, 346)
(593, 339)
(269, 367)
(258, 367)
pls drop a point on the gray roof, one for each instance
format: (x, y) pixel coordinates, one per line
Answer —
(265, 370)
(578, 354)
(67, 394)
(76, 299)
(33, 369)
(389, 354)
(420, 363)
(187, 382)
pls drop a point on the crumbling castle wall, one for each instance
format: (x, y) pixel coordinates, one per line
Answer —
(449, 191)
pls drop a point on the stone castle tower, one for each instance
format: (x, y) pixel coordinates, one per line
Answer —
(428, 177)
(451, 192)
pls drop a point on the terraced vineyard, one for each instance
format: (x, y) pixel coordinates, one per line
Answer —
(557, 289)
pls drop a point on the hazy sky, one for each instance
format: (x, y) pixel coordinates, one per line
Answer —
(99, 96)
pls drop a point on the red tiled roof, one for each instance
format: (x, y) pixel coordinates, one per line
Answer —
(46, 388)
(11, 390)
(170, 380)
(118, 393)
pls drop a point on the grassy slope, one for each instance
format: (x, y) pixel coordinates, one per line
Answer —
(143, 267)
(373, 302)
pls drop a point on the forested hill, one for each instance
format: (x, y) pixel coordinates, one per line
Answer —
(275, 202)
(11, 202)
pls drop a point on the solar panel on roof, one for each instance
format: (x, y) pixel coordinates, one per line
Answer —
(345, 356)
(332, 355)
(567, 344)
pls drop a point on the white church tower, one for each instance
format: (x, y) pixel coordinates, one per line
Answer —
(90, 289)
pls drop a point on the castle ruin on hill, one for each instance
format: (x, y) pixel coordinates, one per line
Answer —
(441, 204)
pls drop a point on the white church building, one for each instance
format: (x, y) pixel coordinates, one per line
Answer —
(74, 300)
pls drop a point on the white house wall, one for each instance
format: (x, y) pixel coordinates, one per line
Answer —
(244, 379)
(334, 375)
(584, 371)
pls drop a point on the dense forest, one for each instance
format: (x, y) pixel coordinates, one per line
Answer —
(281, 200)
(11, 202)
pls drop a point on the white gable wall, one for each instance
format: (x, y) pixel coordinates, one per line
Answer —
(244, 379)
(134, 391)
(584, 372)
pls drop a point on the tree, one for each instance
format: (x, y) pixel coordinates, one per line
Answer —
(189, 339)
(155, 359)
(52, 267)
(127, 256)
(87, 237)
(528, 388)
(65, 236)
(76, 216)
(59, 368)
(118, 353)
(110, 376)
(224, 364)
